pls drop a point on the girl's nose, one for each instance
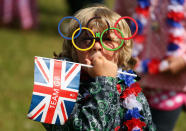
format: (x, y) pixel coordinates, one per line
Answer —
(97, 46)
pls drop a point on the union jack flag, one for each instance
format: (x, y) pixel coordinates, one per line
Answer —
(56, 85)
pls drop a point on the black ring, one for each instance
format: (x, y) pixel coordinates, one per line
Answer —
(98, 17)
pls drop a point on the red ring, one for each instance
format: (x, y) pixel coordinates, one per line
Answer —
(126, 17)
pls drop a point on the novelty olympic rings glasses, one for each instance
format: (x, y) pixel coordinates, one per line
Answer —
(79, 30)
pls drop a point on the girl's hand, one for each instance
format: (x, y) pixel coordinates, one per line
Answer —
(101, 67)
(176, 64)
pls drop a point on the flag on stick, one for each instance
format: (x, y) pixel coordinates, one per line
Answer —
(56, 85)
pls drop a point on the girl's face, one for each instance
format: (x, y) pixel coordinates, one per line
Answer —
(110, 40)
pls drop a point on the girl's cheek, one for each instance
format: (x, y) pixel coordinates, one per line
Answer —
(108, 53)
(111, 55)
(82, 55)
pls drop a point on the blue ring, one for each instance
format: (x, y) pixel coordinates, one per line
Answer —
(69, 17)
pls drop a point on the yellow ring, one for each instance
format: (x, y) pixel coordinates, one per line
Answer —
(76, 45)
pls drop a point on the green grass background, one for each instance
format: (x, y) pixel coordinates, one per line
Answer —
(17, 51)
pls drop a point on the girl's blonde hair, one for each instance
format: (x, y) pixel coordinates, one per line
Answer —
(84, 15)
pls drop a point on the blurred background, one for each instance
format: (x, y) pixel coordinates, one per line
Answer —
(18, 46)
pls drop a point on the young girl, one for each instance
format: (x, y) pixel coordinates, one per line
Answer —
(105, 101)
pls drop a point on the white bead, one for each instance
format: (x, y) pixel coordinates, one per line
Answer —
(130, 102)
(175, 8)
(172, 93)
(164, 97)
(156, 100)
(178, 99)
(163, 65)
(169, 103)
(177, 32)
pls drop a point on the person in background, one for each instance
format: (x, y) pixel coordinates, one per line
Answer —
(160, 46)
(23, 11)
(76, 5)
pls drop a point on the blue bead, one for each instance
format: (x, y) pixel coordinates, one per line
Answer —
(145, 65)
(144, 3)
(181, 2)
(172, 47)
(173, 23)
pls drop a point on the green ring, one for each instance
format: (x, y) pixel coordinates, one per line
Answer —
(109, 48)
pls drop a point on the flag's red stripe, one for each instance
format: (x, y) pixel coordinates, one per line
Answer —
(68, 94)
(42, 70)
(37, 112)
(43, 89)
(73, 68)
(56, 90)
(50, 115)
(63, 111)
(49, 91)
